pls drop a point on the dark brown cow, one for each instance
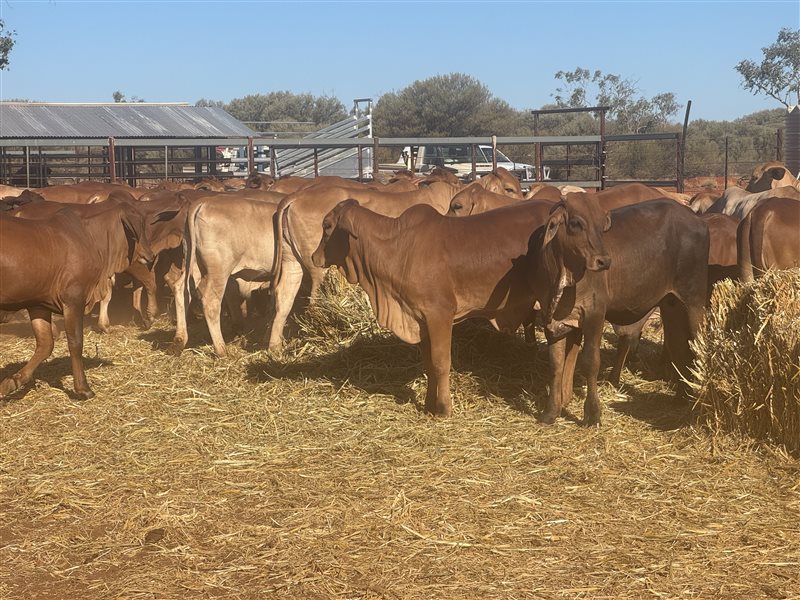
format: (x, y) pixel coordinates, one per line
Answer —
(49, 266)
(423, 271)
(297, 235)
(114, 228)
(721, 265)
(652, 254)
(11, 203)
(769, 238)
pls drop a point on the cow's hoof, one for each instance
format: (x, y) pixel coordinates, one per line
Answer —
(147, 324)
(102, 329)
(591, 421)
(176, 347)
(7, 386)
(84, 394)
(547, 418)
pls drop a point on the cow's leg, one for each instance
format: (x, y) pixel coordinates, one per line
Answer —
(437, 358)
(676, 338)
(41, 324)
(563, 356)
(176, 281)
(103, 321)
(285, 292)
(147, 282)
(73, 326)
(592, 332)
(236, 303)
(212, 289)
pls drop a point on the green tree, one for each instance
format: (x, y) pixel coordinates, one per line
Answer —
(120, 97)
(204, 102)
(778, 74)
(445, 105)
(629, 111)
(285, 106)
(6, 44)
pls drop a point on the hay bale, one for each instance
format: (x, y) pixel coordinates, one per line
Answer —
(748, 359)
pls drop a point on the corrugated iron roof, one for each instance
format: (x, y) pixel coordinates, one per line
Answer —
(119, 120)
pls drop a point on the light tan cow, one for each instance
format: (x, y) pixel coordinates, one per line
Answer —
(771, 175)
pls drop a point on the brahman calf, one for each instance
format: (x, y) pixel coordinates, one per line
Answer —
(589, 266)
(423, 271)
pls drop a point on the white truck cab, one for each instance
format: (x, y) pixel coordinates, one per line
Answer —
(458, 158)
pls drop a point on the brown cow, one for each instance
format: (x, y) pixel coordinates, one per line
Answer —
(651, 254)
(771, 175)
(48, 266)
(423, 272)
(622, 195)
(475, 199)
(87, 192)
(502, 181)
(769, 238)
(298, 229)
(8, 190)
(114, 228)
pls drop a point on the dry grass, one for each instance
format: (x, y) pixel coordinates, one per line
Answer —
(315, 475)
(748, 366)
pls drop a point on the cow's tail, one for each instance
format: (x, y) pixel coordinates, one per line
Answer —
(279, 225)
(744, 249)
(189, 251)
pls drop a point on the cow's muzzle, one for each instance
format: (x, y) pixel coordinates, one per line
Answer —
(600, 263)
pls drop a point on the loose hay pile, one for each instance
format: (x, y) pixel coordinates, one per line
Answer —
(748, 363)
(315, 475)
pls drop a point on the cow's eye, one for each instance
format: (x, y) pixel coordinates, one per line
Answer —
(575, 224)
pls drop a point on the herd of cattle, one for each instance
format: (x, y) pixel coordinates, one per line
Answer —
(428, 251)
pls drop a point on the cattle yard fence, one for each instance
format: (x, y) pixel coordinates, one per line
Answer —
(580, 160)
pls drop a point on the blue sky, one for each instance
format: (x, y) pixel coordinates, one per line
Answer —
(81, 51)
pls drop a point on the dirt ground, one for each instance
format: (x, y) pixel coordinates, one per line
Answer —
(316, 475)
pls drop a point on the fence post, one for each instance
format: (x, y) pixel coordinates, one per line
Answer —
(474, 163)
(779, 145)
(679, 162)
(375, 162)
(726, 162)
(601, 151)
(251, 158)
(273, 170)
(316, 162)
(27, 166)
(494, 153)
(360, 164)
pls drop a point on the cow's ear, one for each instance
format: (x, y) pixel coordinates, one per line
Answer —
(777, 173)
(607, 224)
(554, 221)
(345, 218)
(165, 215)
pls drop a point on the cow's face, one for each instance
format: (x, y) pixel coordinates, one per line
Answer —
(765, 177)
(577, 224)
(334, 247)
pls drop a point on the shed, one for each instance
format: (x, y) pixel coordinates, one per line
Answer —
(59, 142)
